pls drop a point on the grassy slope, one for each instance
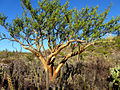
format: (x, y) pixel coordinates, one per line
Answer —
(91, 69)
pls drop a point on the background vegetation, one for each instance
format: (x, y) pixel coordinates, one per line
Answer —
(92, 69)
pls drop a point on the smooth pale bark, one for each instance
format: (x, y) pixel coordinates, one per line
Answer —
(44, 63)
(57, 70)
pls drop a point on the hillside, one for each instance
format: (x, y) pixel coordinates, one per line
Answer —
(89, 70)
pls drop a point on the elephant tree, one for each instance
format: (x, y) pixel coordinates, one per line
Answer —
(54, 27)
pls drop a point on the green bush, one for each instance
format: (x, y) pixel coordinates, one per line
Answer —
(102, 50)
(115, 72)
(30, 56)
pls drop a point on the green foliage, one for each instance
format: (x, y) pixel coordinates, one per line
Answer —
(115, 72)
(117, 40)
(61, 53)
(91, 48)
(102, 50)
(8, 54)
(58, 23)
(30, 56)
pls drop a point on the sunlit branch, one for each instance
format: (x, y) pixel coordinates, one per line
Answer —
(31, 45)
(43, 46)
(48, 39)
(62, 47)
(7, 38)
(67, 57)
(24, 45)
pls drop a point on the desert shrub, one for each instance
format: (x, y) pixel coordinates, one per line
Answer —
(91, 48)
(30, 56)
(10, 54)
(4, 54)
(61, 53)
(90, 73)
(84, 75)
(102, 50)
(115, 73)
(20, 75)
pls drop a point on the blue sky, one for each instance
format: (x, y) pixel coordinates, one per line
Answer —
(12, 8)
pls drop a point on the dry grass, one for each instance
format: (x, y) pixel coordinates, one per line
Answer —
(89, 71)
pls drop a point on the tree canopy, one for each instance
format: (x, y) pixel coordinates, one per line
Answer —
(56, 26)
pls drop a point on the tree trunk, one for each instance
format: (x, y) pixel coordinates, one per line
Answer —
(53, 73)
(51, 68)
(57, 70)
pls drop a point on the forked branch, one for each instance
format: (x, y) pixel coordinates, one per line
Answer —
(67, 57)
(62, 47)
